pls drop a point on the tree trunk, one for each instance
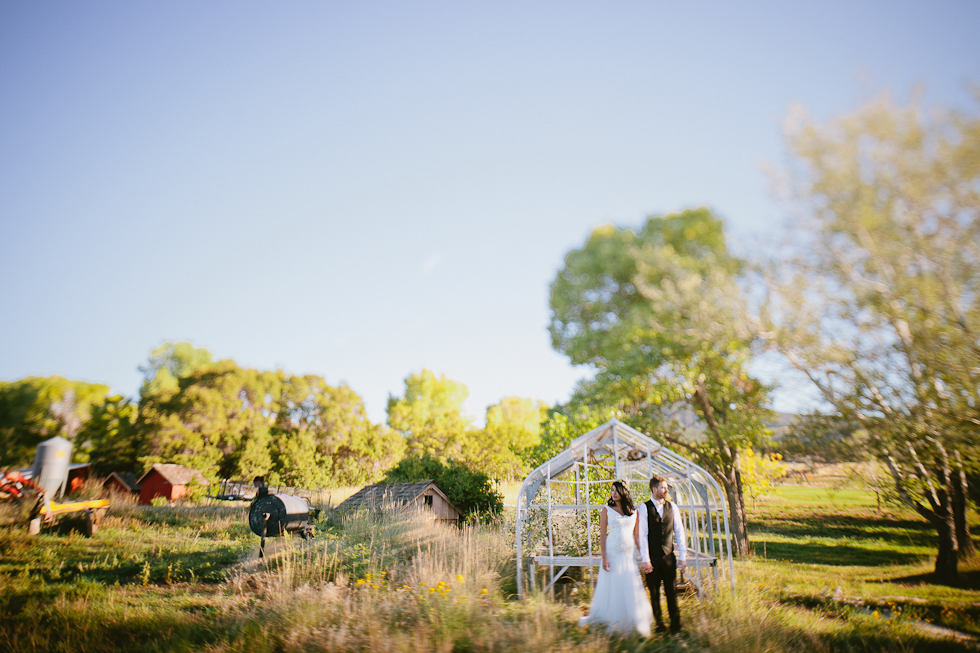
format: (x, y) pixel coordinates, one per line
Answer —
(737, 519)
(939, 513)
(731, 476)
(946, 560)
(961, 515)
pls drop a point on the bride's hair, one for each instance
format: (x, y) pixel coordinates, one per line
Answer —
(624, 496)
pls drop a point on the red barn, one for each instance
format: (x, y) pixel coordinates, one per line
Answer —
(167, 480)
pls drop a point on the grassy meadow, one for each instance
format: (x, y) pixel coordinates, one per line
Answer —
(829, 573)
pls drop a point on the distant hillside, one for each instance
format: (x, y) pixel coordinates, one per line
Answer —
(693, 428)
(781, 425)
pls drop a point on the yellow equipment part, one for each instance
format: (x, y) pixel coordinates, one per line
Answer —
(72, 506)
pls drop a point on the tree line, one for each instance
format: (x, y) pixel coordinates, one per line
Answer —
(233, 422)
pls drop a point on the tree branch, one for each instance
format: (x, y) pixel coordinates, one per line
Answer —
(691, 448)
(701, 394)
(931, 495)
(827, 391)
(903, 492)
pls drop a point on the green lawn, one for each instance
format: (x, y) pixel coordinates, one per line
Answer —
(149, 576)
(809, 541)
(140, 546)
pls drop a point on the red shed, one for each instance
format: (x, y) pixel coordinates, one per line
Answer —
(167, 480)
(78, 475)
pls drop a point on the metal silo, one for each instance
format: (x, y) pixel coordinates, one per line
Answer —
(51, 466)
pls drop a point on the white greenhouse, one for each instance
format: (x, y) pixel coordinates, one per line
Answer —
(558, 505)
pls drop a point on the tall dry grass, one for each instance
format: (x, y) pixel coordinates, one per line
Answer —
(385, 581)
(394, 581)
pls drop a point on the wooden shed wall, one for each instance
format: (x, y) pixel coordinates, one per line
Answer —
(155, 485)
(441, 509)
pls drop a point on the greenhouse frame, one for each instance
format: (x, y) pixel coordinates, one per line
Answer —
(559, 502)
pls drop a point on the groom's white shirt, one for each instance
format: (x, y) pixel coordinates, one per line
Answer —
(680, 540)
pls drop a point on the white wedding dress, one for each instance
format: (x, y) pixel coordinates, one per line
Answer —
(620, 600)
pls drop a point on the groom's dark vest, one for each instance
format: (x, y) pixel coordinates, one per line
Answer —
(660, 534)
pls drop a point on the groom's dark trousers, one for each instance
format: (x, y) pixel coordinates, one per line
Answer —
(661, 540)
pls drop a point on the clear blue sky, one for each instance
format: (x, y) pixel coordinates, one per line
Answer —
(361, 190)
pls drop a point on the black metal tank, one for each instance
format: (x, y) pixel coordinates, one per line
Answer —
(276, 514)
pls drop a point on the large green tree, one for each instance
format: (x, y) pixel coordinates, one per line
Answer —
(879, 305)
(349, 449)
(216, 414)
(228, 421)
(514, 426)
(661, 314)
(430, 416)
(110, 439)
(35, 409)
(169, 362)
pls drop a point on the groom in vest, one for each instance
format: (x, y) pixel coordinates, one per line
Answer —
(662, 535)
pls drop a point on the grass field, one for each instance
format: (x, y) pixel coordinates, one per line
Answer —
(828, 573)
(821, 546)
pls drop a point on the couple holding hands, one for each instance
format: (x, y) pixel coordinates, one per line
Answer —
(657, 530)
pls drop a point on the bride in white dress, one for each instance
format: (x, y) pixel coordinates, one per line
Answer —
(620, 600)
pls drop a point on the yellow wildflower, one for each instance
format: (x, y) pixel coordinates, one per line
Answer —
(459, 578)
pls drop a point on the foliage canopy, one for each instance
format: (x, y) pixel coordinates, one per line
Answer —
(660, 313)
(880, 305)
